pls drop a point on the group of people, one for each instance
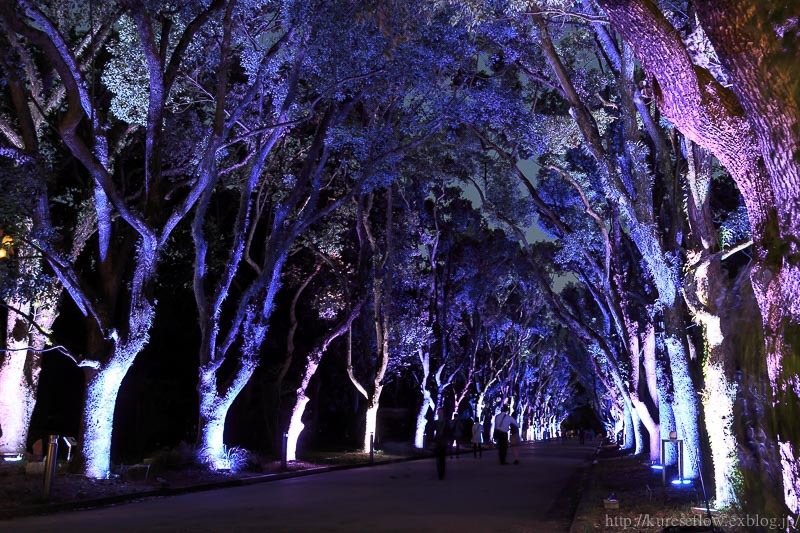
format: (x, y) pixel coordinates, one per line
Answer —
(506, 435)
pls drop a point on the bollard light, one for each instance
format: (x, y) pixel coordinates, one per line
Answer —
(284, 448)
(50, 464)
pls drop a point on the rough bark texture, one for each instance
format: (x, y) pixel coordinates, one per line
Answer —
(752, 131)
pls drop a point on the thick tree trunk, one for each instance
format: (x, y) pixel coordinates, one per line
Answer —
(371, 423)
(422, 419)
(666, 413)
(703, 291)
(97, 423)
(19, 378)
(686, 407)
(629, 440)
(214, 407)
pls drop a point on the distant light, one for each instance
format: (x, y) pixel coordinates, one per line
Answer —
(681, 481)
(657, 467)
(12, 457)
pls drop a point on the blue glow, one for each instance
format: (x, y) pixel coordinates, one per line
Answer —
(681, 481)
(657, 467)
(13, 457)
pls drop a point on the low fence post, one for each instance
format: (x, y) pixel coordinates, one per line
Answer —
(50, 464)
(284, 446)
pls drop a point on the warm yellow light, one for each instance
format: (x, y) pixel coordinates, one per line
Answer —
(3, 253)
(7, 240)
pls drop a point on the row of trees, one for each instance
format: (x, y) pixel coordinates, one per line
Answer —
(322, 151)
(236, 132)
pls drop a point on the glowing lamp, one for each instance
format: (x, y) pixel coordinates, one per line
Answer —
(657, 467)
(5, 245)
(11, 457)
(681, 481)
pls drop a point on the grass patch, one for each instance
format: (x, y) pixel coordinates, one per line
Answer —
(645, 504)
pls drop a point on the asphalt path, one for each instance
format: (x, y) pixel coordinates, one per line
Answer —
(538, 495)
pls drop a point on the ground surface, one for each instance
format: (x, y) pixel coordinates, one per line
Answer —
(22, 493)
(646, 505)
(539, 494)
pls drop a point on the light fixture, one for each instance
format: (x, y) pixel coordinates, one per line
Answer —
(12, 457)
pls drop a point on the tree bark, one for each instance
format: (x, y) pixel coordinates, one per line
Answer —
(751, 131)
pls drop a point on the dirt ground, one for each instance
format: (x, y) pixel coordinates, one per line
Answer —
(646, 505)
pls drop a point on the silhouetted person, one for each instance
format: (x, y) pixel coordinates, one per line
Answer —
(477, 438)
(441, 440)
(502, 422)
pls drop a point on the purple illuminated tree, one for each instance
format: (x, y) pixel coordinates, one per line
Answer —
(748, 127)
(132, 229)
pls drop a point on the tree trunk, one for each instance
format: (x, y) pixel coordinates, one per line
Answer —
(19, 378)
(214, 406)
(97, 422)
(422, 419)
(371, 422)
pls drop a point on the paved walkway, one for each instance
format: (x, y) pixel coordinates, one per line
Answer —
(538, 495)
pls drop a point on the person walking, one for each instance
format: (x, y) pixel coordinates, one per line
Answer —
(441, 439)
(477, 439)
(502, 422)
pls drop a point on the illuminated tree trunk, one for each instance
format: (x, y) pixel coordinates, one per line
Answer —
(214, 407)
(296, 426)
(666, 415)
(97, 422)
(629, 433)
(20, 366)
(370, 426)
(643, 348)
(427, 400)
(638, 430)
(380, 277)
(706, 292)
(422, 420)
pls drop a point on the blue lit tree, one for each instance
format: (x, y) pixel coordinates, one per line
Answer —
(335, 302)
(100, 122)
(324, 130)
(31, 158)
